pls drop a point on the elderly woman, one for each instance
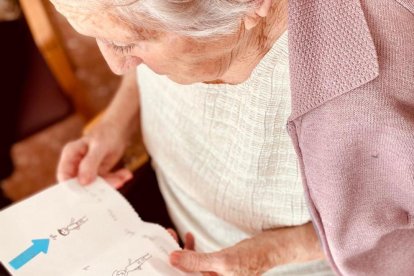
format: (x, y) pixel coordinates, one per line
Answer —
(217, 87)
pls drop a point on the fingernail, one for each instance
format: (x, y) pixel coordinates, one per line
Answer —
(84, 180)
(128, 175)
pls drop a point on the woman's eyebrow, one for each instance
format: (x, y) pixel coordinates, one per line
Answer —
(141, 33)
(140, 36)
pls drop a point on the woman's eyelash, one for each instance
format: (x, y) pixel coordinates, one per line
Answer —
(122, 49)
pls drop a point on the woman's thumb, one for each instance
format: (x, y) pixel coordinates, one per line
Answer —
(119, 178)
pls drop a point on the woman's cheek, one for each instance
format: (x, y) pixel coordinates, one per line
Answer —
(115, 62)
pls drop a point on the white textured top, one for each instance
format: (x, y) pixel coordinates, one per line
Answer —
(224, 161)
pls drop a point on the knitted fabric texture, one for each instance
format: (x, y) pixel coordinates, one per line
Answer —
(226, 146)
(352, 81)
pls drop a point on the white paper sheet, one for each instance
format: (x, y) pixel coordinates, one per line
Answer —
(83, 230)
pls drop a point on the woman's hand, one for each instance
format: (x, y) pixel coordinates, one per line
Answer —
(101, 148)
(253, 256)
(95, 154)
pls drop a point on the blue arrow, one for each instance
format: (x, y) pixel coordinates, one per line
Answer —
(37, 247)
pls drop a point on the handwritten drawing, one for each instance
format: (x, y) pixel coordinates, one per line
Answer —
(93, 194)
(73, 225)
(150, 238)
(159, 242)
(112, 215)
(133, 265)
(129, 232)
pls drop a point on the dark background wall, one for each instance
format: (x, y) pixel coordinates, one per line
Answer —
(13, 56)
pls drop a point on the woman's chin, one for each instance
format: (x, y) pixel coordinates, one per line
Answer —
(183, 80)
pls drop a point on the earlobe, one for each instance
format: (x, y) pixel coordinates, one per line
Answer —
(263, 9)
(251, 20)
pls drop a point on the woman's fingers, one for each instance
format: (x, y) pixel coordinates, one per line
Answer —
(70, 159)
(173, 234)
(189, 242)
(119, 178)
(106, 165)
(88, 167)
(83, 160)
(210, 274)
(191, 261)
(189, 245)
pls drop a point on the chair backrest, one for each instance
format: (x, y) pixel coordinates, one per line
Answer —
(50, 44)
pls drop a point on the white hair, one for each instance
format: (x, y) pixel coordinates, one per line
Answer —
(193, 18)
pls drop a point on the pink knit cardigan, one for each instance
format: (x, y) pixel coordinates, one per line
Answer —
(352, 124)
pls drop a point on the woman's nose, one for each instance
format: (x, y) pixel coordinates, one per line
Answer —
(119, 64)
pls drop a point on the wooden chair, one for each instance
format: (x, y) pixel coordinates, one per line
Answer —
(49, 42)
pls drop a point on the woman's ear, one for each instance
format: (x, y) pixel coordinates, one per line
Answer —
(252, 19)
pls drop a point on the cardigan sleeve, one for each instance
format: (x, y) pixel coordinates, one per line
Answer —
(358, 167)
(352, 71)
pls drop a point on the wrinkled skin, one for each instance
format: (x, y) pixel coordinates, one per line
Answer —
(185, 60)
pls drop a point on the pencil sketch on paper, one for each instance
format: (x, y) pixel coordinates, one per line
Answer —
(129, 232)
(73, 225)
(133, 265)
